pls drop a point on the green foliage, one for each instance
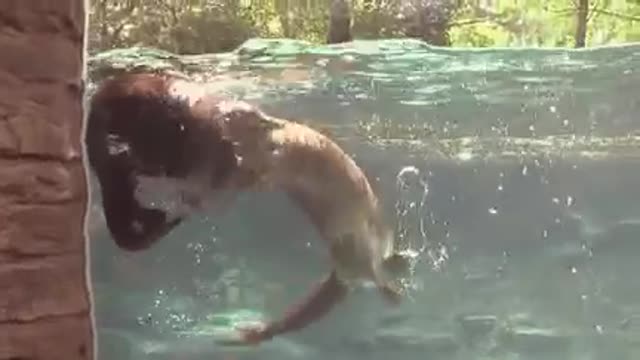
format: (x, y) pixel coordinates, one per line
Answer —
(479, 35)
(179, 26)
(379, 21)
(546, 23)
(206, 26)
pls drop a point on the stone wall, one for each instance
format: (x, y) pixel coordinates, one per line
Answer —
(44, 295)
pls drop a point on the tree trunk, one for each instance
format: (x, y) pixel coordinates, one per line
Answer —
(582, 15)
(45, 307)
(339, 22)
(283, 8)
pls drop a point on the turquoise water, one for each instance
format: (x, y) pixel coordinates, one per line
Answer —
(519, 182)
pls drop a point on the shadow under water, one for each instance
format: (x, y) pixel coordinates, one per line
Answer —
(514, 169)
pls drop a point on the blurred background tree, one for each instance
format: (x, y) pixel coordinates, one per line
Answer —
(206, 26)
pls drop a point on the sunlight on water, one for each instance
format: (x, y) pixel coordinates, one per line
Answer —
(510, 176)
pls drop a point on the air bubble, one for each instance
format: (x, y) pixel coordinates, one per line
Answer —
(493, 210)
(599, 329)
(145, 320)
(404, 175)
(569, 200)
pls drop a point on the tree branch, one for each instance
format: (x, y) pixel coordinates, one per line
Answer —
(617, 15)
(486, 15)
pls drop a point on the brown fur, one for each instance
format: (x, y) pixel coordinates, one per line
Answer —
(233, 146)
(137, 126)
(322, 179)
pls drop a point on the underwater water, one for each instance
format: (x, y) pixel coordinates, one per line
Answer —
(513, 171)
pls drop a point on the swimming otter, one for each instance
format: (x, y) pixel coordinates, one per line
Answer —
(173, 128)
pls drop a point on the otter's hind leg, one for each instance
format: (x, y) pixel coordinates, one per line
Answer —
(314, 306)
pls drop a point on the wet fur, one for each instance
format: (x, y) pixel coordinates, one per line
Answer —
(323, 181)
(137, 127)
(170, 128)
